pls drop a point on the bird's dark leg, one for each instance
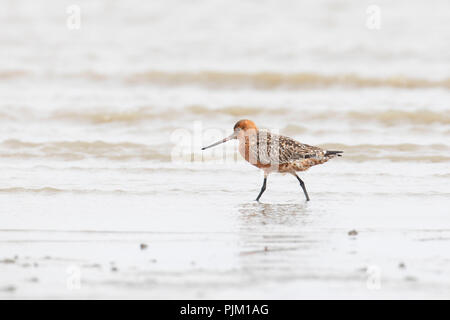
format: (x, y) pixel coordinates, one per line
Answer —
(302, 184)
(263, 188)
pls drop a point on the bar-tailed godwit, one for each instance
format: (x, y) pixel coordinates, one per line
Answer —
(275, 153)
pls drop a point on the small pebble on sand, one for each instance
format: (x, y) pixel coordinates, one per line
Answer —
(411, 279)
(8, 288)
(7, 261)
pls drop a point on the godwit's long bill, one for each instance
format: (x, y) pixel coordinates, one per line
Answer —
(275, 153)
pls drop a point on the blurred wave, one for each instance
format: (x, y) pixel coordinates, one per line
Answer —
(78, 150)
(271, 80)
(142, 114)
(238, 80)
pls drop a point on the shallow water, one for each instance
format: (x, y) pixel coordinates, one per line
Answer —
(105, 192)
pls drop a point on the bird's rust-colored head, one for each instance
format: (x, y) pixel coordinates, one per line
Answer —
(240, 129)
(245, 125)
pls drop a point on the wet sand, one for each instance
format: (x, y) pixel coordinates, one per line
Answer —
(349, 241)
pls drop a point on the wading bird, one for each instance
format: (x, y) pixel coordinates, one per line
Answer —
(275, 153)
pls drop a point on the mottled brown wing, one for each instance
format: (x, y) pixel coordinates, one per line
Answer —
(268, 148)
(291, 150)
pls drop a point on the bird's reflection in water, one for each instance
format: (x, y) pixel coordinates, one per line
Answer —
(267, 228)
(288, 214)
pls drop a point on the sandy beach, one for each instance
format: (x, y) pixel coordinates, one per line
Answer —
(105, 192)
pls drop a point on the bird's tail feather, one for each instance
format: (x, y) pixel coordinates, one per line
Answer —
(331, 153)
